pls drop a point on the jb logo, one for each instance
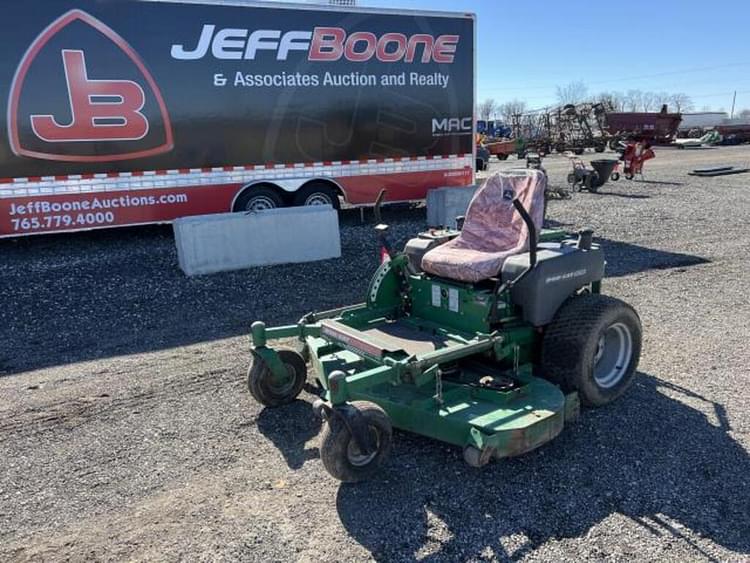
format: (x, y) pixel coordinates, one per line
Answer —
(104, 106)
(101, 110)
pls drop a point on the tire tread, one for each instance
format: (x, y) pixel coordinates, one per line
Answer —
(566, 340)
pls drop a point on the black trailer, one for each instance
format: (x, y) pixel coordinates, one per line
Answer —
(124, 112)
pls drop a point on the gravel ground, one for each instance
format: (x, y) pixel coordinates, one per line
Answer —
(126, 431)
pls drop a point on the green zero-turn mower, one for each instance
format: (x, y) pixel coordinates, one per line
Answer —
(488, 337)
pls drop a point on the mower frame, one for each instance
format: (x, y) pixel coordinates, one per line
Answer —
(354, 362)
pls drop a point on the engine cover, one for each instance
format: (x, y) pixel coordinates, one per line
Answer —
(561, 270)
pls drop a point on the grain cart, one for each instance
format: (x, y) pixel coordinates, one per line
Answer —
(489, 339)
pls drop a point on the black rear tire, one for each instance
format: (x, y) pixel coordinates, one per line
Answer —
(258, 198)
(576, 351)
(317, 193)
(262, 386)
(339, 454)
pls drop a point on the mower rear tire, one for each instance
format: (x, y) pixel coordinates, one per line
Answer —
(339, 453)
(266, 390)
(592, 346)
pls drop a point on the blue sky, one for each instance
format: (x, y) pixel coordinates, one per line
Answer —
(527, 48)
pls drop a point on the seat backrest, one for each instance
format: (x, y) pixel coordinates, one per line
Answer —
(492, 224)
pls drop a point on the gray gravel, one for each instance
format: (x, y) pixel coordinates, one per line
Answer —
(126, 431)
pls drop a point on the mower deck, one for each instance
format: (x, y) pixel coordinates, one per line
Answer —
(507, 415)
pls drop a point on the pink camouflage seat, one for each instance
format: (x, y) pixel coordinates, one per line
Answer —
(493, 229)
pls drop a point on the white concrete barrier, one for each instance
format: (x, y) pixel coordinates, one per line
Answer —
(232, 241)
(445, 204)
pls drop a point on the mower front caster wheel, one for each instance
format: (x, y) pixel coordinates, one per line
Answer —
(339, 452)
(476, 457)
(273, 391)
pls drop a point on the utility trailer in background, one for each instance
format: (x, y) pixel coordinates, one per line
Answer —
(123, 112)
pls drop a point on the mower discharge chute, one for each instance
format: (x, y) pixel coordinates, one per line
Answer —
(487, 338)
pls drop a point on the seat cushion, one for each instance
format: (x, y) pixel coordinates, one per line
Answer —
(493, 229)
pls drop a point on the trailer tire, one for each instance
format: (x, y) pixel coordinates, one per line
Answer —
(340, 456)
(258, 198)
(614, 176)
(502, 156)
(592, 346)
(260, 379)
(316, 193)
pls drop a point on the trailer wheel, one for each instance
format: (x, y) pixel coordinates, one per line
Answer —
(502, 156)
(317, 193)
(593, 346)
(266, 389)
(339, 453)
(258, 198)
(578, 151)
(615, 176)
(600, 148)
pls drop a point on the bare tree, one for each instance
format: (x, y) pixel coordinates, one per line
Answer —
(633, 100)
(661, 98)
(648, 101)
(511, 108)
(486, 110)
(681, 102)
(610, 100)
(573, 93)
